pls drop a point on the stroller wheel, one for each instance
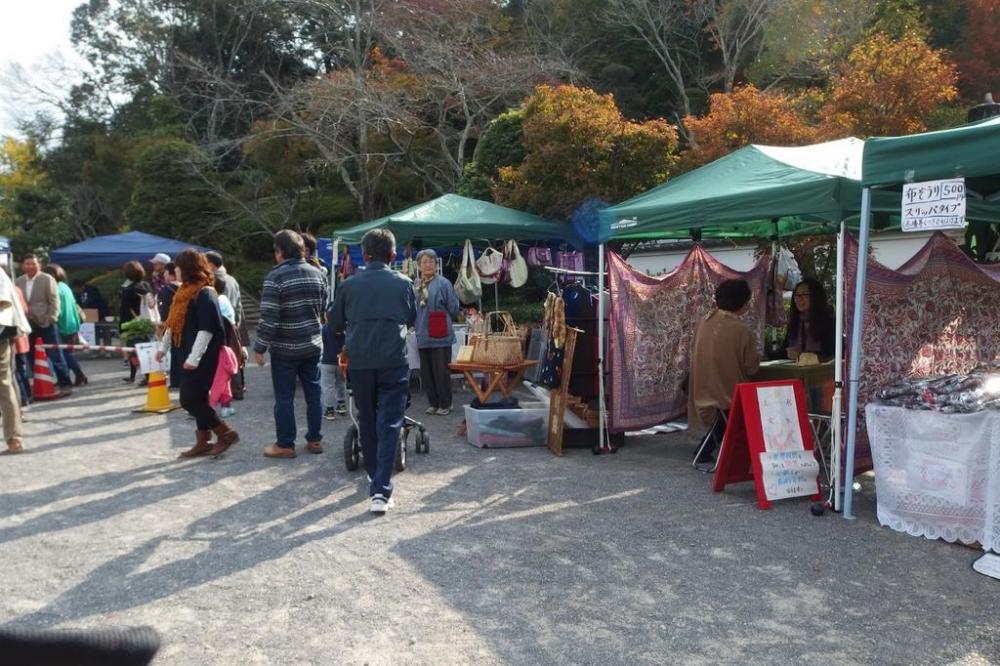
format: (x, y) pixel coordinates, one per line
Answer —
(422, 444)
(404, 434)
(352, 449)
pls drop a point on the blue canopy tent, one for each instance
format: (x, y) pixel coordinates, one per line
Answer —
(115, 250)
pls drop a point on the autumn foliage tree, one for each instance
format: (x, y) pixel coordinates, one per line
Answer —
(978, 56)
(744, 116)
(579, 145)
(888, 87)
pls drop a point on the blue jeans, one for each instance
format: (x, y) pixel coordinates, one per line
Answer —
(380, 396)
(284, 372)
(50, 336)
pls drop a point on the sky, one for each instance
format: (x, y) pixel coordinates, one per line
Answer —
(31, 31)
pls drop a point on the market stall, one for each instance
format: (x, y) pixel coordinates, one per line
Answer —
(115, 250)
(967, 152)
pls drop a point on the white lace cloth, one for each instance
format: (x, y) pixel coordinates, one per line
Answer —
(937, 475)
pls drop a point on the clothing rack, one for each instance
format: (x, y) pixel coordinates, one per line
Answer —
(566, 271)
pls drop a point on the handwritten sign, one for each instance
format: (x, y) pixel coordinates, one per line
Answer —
(87, 333)
(146, 353)
(934, 204)
(789, 474)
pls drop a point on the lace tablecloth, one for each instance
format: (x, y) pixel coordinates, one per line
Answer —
(937, 475)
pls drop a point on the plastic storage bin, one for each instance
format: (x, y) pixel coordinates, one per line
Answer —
(507, 428)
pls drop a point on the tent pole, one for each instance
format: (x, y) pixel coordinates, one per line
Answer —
(601, 410)
(838, 372)
(333, 270)
(855, 366)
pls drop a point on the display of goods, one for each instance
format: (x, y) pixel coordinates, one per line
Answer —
(960, 393)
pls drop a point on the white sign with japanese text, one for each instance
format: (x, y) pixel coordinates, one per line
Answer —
(934, 204)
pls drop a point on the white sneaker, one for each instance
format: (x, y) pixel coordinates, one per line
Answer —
(444, 411)
(379, 504)
(226, 412)
(430, 410)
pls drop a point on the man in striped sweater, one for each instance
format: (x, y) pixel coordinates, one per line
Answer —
(292, 301)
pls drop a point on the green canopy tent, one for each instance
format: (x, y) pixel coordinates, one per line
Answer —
(452, 218)
(969, 151)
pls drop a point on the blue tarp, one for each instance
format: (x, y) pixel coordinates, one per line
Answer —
(113, 251)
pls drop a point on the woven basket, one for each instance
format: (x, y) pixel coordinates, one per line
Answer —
(503, 347)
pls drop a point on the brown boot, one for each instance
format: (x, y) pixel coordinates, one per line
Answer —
(225, 437)
(202, 445)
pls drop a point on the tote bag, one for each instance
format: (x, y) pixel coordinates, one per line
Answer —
(468, 287)
(518, 266)
(490, 266)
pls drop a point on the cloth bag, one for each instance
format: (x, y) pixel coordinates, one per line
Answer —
(518, 270)
(571, 261)
(539, 256)
(490, 266)
(468, 287)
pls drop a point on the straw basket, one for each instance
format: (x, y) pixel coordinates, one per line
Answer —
(501, 347)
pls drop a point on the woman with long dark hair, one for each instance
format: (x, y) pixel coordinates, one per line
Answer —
(194, 326)
(811, 324)
(131, 297)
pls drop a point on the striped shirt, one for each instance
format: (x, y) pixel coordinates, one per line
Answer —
(292, 300)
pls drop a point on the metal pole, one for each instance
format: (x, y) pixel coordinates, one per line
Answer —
(855, 367)
(601, 409)
(838, 372)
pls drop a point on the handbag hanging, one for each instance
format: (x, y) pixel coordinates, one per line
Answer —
(518, 270)
(571, 260)
(539, 256)
(437, 324)
(468, 287)
(490, 266)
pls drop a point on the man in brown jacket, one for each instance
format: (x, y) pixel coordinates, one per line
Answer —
(724, 354)
(41, 293)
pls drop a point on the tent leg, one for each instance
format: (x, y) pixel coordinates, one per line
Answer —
(855, 366)
(601, 409)
(838, 374)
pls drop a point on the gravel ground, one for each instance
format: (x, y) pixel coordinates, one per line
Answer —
(489, 557)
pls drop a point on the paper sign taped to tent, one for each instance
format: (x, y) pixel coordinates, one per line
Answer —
(934, 204)
(146, 353)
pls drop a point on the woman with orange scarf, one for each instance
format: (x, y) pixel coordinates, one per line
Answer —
(194, 325)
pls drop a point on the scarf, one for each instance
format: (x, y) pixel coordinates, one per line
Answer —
(424, 291)
(177, 316)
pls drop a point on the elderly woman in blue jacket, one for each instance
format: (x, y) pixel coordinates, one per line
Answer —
(437, 306)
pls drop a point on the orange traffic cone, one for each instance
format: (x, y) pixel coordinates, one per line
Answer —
(157, 398)
(44, 386)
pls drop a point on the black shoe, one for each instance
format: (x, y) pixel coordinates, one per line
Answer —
(330, 414)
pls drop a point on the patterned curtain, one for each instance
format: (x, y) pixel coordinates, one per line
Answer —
(651, 328)
(938, 314)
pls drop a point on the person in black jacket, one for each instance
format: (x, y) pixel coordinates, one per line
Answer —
(131, 296)
(811, 324)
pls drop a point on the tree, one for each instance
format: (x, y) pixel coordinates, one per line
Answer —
(735, 28)
(501, 145)
(888, 87)
(978, 52)
(31, 211)
(744, 116)
(170, 196)
(578, 145)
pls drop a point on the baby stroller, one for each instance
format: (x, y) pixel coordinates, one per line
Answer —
(352, 440)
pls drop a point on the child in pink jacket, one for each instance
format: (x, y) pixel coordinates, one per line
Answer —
(221, 393)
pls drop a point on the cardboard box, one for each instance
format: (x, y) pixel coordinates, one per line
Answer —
(91, 315)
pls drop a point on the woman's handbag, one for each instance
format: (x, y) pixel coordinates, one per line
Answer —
(570, 261)
(501, 348)
(490, 266)
(468, 287)
(539, 256)
(437, 324)
(518, 266)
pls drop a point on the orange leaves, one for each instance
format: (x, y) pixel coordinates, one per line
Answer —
(578, 145)
(887, 87)
(744, 116)
(978, 56)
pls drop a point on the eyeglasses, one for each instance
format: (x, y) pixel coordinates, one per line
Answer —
(801, 294)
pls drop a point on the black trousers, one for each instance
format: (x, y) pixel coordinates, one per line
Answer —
(194, 399)
(435, 375)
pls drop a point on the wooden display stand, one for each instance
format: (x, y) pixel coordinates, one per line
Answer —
(768, 441)
(505, 378)
(558, 396)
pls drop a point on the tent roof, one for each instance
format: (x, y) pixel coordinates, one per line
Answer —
(807, 186)
(970, 151)
(452, 218)
(115, 250)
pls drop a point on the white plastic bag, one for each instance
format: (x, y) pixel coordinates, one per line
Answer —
(468, 287)
(518, 266)
(490, 266)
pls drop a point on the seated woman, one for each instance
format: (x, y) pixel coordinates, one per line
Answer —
(811, 324)
(724, 354)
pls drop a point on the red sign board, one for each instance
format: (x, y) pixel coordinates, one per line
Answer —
(768, 441)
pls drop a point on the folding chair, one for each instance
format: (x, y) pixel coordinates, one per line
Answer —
(711, 438)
